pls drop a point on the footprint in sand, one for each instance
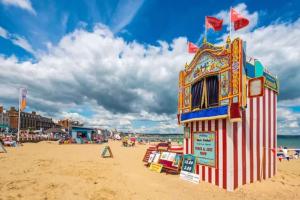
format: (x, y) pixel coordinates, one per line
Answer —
(104, 194)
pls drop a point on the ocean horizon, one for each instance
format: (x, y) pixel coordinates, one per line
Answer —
(290, 141)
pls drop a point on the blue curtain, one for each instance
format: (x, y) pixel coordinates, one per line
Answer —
(212, 85)
(197, 90)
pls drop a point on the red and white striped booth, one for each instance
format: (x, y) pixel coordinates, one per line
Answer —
(227, 105)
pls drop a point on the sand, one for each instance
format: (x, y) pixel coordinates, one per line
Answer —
(47, 170)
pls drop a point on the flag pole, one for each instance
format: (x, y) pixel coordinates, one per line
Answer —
(205, 33)
(230, 22)
(19, 119)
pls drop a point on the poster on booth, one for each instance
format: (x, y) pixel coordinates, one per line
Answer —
(189, 162)
(205, 148)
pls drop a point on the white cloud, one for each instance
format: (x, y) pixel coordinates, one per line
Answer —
(119, 81)
(126, 81)
(3, 33)
(23, 4)
(16, 40)
(288, 121)
(242, 9)
(124, 13)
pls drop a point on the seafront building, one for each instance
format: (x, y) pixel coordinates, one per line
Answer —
(4, 119)
(31, 120)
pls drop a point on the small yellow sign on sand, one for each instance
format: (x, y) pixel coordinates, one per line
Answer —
(156, 167)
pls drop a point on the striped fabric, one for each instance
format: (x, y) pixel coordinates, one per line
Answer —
(244, 149)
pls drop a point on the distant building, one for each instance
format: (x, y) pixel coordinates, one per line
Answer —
(64, 123)
(68, 124)
(4, 119)
(29, 120)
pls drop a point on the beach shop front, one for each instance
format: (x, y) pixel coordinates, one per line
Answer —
(82, 134)
(227, 105)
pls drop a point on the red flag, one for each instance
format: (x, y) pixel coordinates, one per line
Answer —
(238, 20)
(192, 48)
(213, 23)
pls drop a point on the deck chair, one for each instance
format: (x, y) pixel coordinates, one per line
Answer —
(2, 148)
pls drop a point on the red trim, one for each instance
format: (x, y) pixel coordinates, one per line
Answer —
(203, 173)
(251, 140)
(186, 145)
(187, 141)
(217, 152)
(235, 155)
(209, 174)
(264, 137)
(274, 132)
(197, 169)
(224, 135)
(197, 130)
(258, 138)
(244, 158)
(209, 168)
(269, 130)
(203, 167)
(192, 138)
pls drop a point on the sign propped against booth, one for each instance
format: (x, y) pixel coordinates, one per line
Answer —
(156, 167)
(106, 152)
(191, 177)
(189, 162)
(188, 168)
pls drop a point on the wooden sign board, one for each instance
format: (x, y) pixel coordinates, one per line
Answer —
(105, 151)
(147, 155)
(191, 177)
(156, 167)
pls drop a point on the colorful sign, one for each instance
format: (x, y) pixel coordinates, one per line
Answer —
(225, 84)
(187, 93)
(189, 162)
(271, 82)
(156, 167)
(205, 148)
(207, 63)
(236, 71)
(177, 160)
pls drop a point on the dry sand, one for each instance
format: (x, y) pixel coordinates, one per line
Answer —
(47, 170)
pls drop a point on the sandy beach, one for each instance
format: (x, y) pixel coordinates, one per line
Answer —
(47, 170)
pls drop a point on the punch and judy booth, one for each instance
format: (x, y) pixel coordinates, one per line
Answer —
(227, 105)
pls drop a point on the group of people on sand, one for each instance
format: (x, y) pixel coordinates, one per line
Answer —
(288, 154)
(8, 140)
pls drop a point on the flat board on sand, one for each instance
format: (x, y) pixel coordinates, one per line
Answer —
(2, 149)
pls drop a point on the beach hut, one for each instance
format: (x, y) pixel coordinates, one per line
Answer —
(227, 105)
(82, 134)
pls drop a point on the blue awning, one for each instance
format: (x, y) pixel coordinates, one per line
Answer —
(211, 112)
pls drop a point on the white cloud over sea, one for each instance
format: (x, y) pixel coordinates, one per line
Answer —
(120, 82)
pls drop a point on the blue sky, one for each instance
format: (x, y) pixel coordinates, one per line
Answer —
(63, 45)
(153, 20)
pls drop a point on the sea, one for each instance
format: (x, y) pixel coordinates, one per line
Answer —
(289, 141)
